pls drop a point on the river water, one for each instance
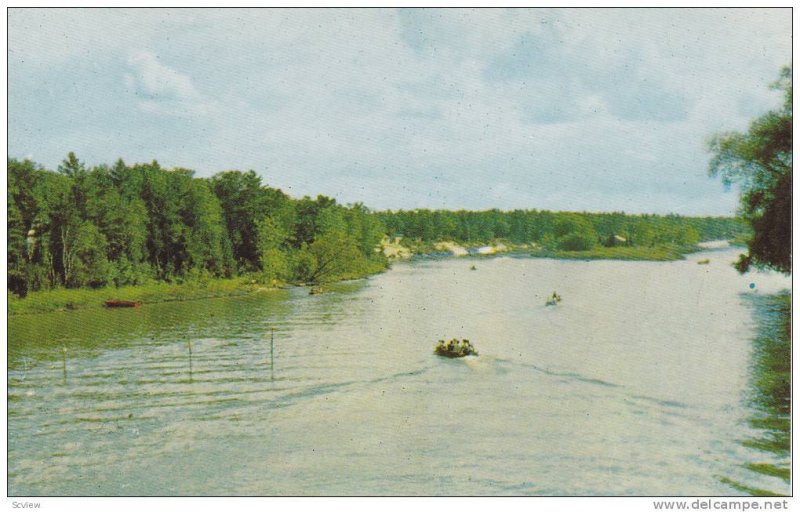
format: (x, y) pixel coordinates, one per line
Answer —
(646, 380)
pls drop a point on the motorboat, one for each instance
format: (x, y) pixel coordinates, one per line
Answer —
(455, 348)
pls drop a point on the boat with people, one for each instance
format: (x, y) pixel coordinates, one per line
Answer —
(553, 300)
(116, 303)
(455, 348)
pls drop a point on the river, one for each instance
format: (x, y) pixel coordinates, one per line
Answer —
(646, 380)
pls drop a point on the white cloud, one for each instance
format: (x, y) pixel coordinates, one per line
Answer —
(164, 90)
(411, 105)
(161, 80)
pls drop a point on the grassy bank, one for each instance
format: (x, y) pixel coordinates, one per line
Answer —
(631, 253)
(63, 299)
(81, 298)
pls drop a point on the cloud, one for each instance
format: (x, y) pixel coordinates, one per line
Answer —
(556, 108)
(458, 35)
(553, 70)
(163, 90)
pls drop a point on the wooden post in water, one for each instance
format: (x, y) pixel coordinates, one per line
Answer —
(271, 353)
(190, 360)
(64, 360)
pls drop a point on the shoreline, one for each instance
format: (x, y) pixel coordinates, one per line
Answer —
(76, 299)
(71, 299)
(623, 253)
(666, 252)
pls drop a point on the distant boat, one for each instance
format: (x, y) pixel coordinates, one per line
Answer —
(116, 303)
(553, 300)
(316, 290)
(455, 348)
(704, 262)
(473, 267)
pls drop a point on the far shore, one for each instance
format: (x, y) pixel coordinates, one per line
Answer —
(660, 252)
(67, 299)
(626, 253)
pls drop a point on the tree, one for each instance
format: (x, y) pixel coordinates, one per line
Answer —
(202, 214)
(71, 166)
(85, 249)
(574, 232)
(271, 241)
(243, 203)
(118, 225)
(575, 242)
(364, 227)
(760, 161)
(16, 243)
(335, 255)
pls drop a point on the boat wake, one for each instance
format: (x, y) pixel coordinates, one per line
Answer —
(626, 392)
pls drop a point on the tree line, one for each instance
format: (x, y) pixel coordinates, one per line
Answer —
(127, 225)
(569, 231)
(124, 224)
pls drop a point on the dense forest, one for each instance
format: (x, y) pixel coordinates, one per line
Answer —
(127, 225)
(132, 224)
(568, 231)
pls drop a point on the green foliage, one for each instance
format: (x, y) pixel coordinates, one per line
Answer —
(275, 266)
(663, 252)
(364, 228)
(335, 256)
(575, 242)
(92, 227)
(273, 259)
(330, 221)
(760, 162)
(574, 233)
(554, 230)
(243, 203)
(86, 250)
(56, 299)
(304, 264)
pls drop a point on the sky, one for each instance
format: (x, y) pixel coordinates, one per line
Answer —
(556, 109)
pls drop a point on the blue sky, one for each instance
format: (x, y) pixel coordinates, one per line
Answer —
(560, 109)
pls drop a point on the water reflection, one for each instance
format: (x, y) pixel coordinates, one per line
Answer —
(287, 393)
(38, 339)
(769, 398)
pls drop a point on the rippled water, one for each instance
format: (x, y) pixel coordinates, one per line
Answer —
(641, 382)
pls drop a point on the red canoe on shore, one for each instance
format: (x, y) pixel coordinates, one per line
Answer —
(115, 303)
